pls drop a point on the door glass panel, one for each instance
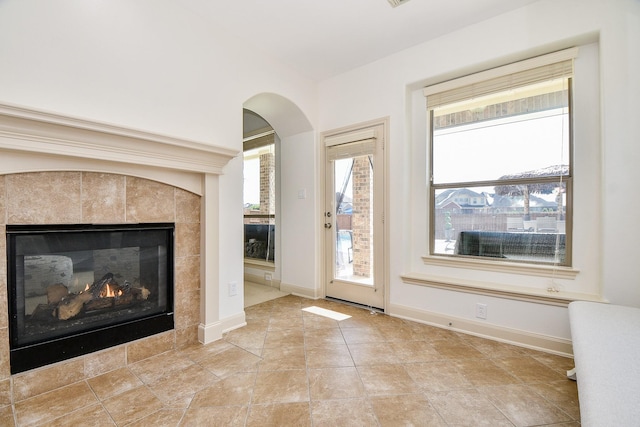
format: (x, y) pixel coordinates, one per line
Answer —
(353, 180)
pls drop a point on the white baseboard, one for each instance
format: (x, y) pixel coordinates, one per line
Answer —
(213, 331)
(210, 332)
(300, 291)
(234, 322)
(559, 346)
(255, 278)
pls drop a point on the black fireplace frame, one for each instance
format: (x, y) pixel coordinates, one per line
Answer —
(30, 356)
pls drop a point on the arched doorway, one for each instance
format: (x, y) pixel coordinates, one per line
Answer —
(289, 209)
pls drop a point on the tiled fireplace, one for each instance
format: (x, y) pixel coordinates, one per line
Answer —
(78, 288)
(68, 173)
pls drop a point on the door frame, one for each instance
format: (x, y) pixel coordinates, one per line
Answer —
(363, 126)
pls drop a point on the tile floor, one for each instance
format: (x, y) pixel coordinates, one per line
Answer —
(255, 293)
(288, 367)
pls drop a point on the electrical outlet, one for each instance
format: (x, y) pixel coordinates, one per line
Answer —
(267, 277)
(481, 311)
(233, 289)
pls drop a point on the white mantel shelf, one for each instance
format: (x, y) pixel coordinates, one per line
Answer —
(40, 141)
(28, 130)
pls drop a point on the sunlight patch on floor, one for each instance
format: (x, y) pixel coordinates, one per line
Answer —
(326, 313)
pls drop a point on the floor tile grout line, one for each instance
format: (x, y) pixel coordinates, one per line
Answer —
(306, 366)
(98, 402)
(101, 402)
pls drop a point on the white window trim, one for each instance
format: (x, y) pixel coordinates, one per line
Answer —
(491, 276)
(541, 296)
(525, 72)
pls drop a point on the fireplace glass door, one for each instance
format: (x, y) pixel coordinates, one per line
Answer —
(77, 289)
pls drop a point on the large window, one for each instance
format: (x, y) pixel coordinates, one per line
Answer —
(500, 163)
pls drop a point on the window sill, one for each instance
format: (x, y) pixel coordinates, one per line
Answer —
(540, 296)
(502, 266)
(265, 265)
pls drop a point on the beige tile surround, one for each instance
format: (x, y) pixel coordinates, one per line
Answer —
(85, 197)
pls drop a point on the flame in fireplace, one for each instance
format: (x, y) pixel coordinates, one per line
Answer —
(107, 291)
(110, 292)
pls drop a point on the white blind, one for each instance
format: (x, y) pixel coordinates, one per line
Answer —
(353, 136)
(534, 70)
(259, 141)
(352, 149)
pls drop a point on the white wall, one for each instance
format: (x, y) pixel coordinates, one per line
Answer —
(606, 150)
(151, 65)
(621, 154)
(299, 212)
(148, 64)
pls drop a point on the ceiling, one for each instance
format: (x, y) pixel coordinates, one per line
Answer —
(323, 38)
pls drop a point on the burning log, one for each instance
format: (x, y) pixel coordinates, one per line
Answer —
(71, 306)
(111, 301)
(141, 293)
(99, 304)
(98, 287)
(103, 294)
(55, 293)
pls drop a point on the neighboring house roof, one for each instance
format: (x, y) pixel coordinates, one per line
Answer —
(452, 197)
(518, 202)
(456, 196)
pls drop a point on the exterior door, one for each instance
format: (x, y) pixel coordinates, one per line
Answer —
(354, 216)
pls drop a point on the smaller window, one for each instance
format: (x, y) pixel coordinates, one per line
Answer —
(500, 157)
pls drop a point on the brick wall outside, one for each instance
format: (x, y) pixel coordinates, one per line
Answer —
(529, 104)
(362, 211)
(267, 184)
